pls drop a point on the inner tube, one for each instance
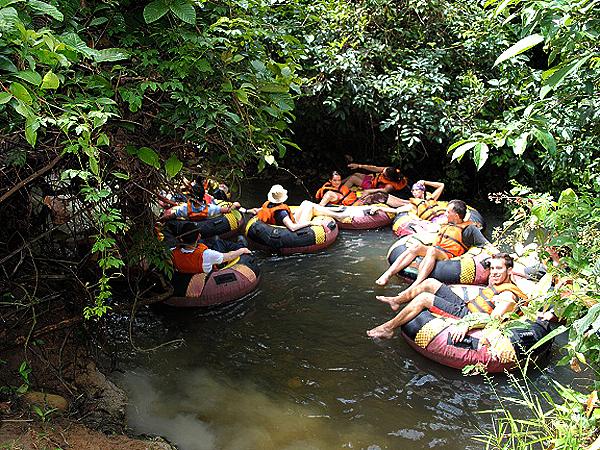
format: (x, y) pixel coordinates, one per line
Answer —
(466, 269)
(224, 226)
(237, 279)
(407, 222)
(491, 348)
(273, 238)
(366, 221)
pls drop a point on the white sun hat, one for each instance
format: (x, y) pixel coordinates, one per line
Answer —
(277, 194)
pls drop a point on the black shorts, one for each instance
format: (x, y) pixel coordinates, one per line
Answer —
(450, 303)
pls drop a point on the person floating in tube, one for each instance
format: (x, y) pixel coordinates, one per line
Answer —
(190, 255)
(424, 204)
(196, 207)
(453, 239)
(276, 212)
(501, 296)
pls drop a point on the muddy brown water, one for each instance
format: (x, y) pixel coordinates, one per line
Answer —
(292, 368)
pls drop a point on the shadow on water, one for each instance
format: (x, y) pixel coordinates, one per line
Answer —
(292, 368)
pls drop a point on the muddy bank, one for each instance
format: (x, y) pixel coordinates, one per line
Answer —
(53, 395)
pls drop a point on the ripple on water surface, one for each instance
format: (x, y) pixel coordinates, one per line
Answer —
(292, 368)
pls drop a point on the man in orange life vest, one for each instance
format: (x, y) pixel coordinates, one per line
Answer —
(192, 256)
(498, 298)
(196, 207)
(453, 239)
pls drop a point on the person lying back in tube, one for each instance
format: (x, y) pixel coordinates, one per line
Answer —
(192, 256)
(276, 212)
(334, 192)
(453, 240)
(425, 204)
(196, 207)
(380, 180)
(500, 297)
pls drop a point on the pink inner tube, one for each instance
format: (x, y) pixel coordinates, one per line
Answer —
(222, 286)
(367, 222)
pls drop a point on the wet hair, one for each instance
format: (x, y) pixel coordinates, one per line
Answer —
(509, 262)
(459, 207)
(393, 173)
(188, 234)
(198, 191)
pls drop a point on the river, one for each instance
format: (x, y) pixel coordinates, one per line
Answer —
(292, 368)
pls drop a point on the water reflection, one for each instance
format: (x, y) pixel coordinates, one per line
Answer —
(292, 367)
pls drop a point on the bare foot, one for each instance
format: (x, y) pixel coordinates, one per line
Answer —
(392, 301)
(380, 332)
(382, 280)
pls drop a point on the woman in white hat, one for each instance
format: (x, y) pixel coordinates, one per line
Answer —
(276, 212)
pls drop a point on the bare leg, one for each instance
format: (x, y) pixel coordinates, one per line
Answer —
(402, 262)
(355, 179)
(430, 285)
(386, 330)
(396, 202)
(428, 263)
(304, 212)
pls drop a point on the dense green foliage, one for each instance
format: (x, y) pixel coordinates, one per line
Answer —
(102, 104)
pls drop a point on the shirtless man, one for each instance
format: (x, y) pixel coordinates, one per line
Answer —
(500, 296)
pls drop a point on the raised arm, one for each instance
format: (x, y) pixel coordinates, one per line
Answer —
(368, 167)
(436, 185)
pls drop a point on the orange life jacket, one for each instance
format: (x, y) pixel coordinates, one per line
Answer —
(345, 195)
(188, 262)
(380, 181)
(267, 215)
(427, 208)
(450, 240)
(192, 212)
(484, 303)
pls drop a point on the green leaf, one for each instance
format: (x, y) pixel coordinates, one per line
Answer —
(149, 156)
(203, 65)
(7, 65)
(546, 139)
(561, 329)
(98, 21)
(31, 126)
(110, 55)
(31, 76)
(94, 165)
(480, 154)
(523, 45)
(5, 97)
(120, 175)
(520, 144)
(5, 3)
(45, 8)
(21, 92)
(461, 149)
(102, 140)
(9, 19)
(274, 88)
(50, 81)
(155, 10)
(554, 77)
(173, 165)
(270, 159)
(185, 11)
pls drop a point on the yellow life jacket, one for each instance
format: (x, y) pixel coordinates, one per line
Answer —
(484, 303)
(427, 208)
